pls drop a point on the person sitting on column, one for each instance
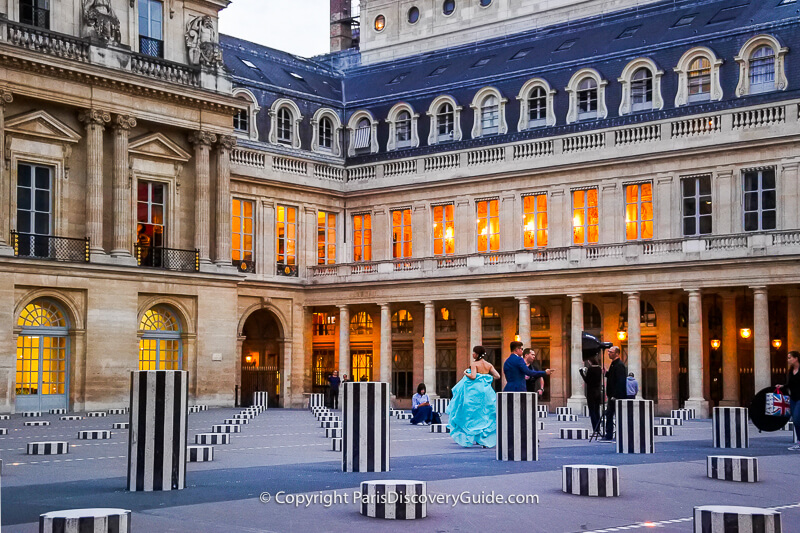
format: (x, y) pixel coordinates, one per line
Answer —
(792, 388)
(515, 369)
(334, 381)
(616, 388)
(472, 408)
(533, 384)
(592, 374)
(421, 409)
(632, 386)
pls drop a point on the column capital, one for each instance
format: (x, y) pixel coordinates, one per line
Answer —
(523, 298)
(631, 293)
(474, 301)
(757, 289)
(92, 117)
(385, 305)
(124, 122)
(343, 307)
(227, 142)
(427, 303)
(6, 97)
(694, 291)
(202, 138)
(575, 296)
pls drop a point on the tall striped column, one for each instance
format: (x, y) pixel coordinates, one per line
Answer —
(635, 426)
(516, 426)
(157, 430)
(730, 429)
(365, 435)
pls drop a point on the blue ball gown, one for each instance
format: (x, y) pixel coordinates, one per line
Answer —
(472, 410)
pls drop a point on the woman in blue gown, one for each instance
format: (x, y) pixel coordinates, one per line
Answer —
(472, 408)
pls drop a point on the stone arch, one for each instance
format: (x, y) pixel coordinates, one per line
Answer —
(283, 322)
(74, 317)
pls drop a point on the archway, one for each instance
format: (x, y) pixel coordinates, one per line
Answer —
(262, 357)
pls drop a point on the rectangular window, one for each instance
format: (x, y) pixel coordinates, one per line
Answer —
(488, 226)
(403, 373)
(362, 237)
(287, 240)
(445, 371)
(150, 219)
(534, 213)
(34, 199)
(537, 108)
(151, 17)
(241, 122)
(242, 233)
(444, 230)
(760, 200)
(323, 323)
(326, 238)
(401, 233)
(585, 217)
(323, 366)
(696, 193)
(639, 211)
(361, 368)
(35, 13)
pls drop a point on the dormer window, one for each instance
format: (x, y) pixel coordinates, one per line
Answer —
(151, 21)
(35, 13)
(363, 134)
(537, 107)
(642, 90)
(326, 134)
(403, 129)
(285, 121)
(285, 126)
(699, 83)
(241, 121)
(762, 70)
(445, 122)
(490, 115)
(587, 96)
(699, 77)
(587, 99)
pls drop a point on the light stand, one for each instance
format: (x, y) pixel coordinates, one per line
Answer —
(592, 347)
(599, 430)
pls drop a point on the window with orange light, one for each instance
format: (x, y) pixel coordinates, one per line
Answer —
(534, 220)
(639, 211)
(362, 237)
(585, 217)
(287, 236)
(444, 230)
(242, 231)
(401, 233)
(488, 226)
(326, 238)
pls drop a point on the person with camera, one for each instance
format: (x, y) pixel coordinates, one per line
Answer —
(592, 374)
(616, 388)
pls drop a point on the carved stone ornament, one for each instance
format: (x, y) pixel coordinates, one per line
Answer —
(227, 142)
(124, 122)
(202, 43)
(202, 137)
(100, 21)
(5, 97)
(94, 116)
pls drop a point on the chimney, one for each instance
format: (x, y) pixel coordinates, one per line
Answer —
(341, 29)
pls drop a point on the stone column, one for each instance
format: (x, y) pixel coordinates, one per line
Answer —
(577, 399)
(286, 354)
(475, 325)
(634, 336)
(344, 340)
(762, 364)
(223, 238)
(696, 399)
(202, 141)
(5, 98)
(386, 345)
(730, 357)
(525, 320)
(429, 349)
(95, 121)
(123, 233)
(793, 319)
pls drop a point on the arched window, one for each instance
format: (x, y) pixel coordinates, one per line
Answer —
(403, 129)
(647, 316)
(592, 319)
(42, 373)
(362, 129)
(445, 118)
(361, 324)
(325, 138)
(698, 77)
(402, 322)
(445, 122)
(762, 69)
(537, 107)
(642, 90)
(540, 319)
(285, 126)
(699, 80)
(587, 96)
(448, 7)
(587, 99)
(762, 66)
(683, 315)
(160, 346)
(490, 319)
(536, 102)
(445, 321)
(490, 115)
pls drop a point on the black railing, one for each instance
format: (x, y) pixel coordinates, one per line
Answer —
(50, 247)
(151, 47)
(245, 265)
(167, 258)
(286, 270)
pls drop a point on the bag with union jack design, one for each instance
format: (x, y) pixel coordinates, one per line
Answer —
(777, 404)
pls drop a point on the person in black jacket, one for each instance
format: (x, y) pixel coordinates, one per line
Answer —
(592, 374)
(616, 388)
(533, 384)
(792, 388)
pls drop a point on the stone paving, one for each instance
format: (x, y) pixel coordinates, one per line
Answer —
(285, 453)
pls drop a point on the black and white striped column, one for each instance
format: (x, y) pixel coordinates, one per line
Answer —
(732, 468)
(48, 448)
(316, 400)
(81, 520)
(683, 414)
(635, 426)
(574, 434)
(158, 432)
(516, 426)
(729, 426)
(563, 410)
(440, 428)
(336, 444)
(365, 435)
(332, 433)
(394, 499)
(260, 398)
(663, 431)
(672, 421)
(729, 518)
(94, 434)
(440, 405)
(566, 418)
(199, 453)
(590, 480)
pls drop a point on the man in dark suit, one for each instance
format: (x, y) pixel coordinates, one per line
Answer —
(534, 385)
(515, 370)
(616, 388)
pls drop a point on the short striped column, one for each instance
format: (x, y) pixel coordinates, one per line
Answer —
(70, 417)
(365, 435)
(574, 434)
(567, 418)
(516, 426)
(316, 400)
(199, 453)
(3, 431)
(120, 425)
(440, 428)
(404, 416)
(590, 480)
(663, 431)
(37, 423)
(212, 438)
(540, 425)
(733, 519)
(80, 520)
(671, 421)
(48, 448)
(158, 433)
(238, 421)
(692, 412)
(440, 405)
(732, 468)
(31, 414)
(635, 426)
(58, 411)
(260, 398)
(563, 410)
(683, 414)
(120, 411)
(541, 414)
(198, 408)
(226, 428)
(331, 425)
(729, 427)
(394, 499)
(96, 414)
(336, 444)
(333, 433)
(586, 411)
(94, 434)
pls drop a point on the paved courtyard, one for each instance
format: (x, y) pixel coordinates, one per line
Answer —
(284, 452)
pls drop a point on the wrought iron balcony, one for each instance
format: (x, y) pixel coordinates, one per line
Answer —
(151, 47)
(245, 265)
(167, 258)
(50, 247)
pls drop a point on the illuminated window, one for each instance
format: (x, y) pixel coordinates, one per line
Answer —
(642, 90)
(587, 99)
(592, 319)
(401, 233)
(700, 80)
(490, 115)
(286, 233)
(160, 340)
(361, 367)
(585, 217)
(323, 323)
(361, 324)
(445, 122)
(242, 233)
(540, 319)
(639, 211)
(760, 200)
(762, 69)
(42, 355)
(445, 320)
(380, 23)
(534, 221)
(647, 316)
(488, 226)
(150, 227)
(403, 373)
(285, 126)
(326, 238)
(323, 365)
(490, 319)
(402, 322)
(362, 237)
(697, 207)
(444, 230)
(326, 133)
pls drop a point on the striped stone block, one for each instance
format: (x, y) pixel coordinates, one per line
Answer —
(70, 417)
(159, 406)
(365, 435)
(336, 444)
(226, 428)
(236, 421)
(671, 421)
(3, 431)
(635, 426)
(692, 412)
(329, 425)
(322, 414)
(404, 416)
(120, 425)
(86, 520)
(212, 438)
(5, 417)
(118, 411)
(199, 453)
(253, 412)
(440, 428)
(732, 468)
(540, 425)
(48, 448)
(574, 434)
(567, 418)
(31, 414)
(516, 426)
(37, 423)
(96, 414)
(563, 410)
(333, 433)
(94, 434)
(683, 414)
(590, 480)
(198, 408)
(733, 519)
(329, 418)
(59, 411)
(663, 431)
(440, 405)
(394, 412)
(585, 411)
(316, 400)
(541, 414)
(729, 427)
(260, 398)
(244, 416)
(394, 499)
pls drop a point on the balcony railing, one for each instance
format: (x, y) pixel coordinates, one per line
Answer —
(151, 47)
(50, 247)
(47, 42)
(245, 265)
(167, 258)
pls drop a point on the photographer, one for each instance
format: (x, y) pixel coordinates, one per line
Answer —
(592, 374)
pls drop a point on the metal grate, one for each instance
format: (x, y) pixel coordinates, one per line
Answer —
(50, 247)
(167, 258)
(151, 47)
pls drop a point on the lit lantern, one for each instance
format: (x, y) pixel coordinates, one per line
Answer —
(746, 333)
(715, 343)
(248, 359)
(776, 343)
(622, 335)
